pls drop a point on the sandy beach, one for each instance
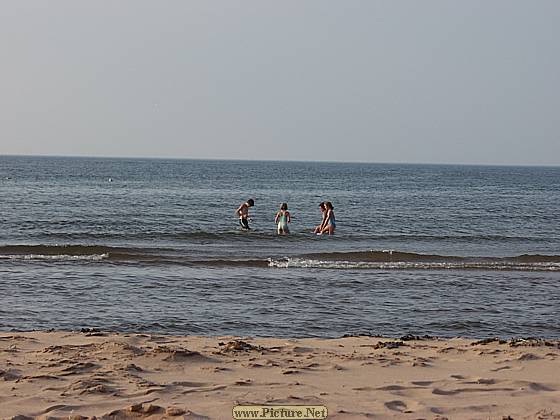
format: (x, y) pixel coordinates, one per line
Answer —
(107, 375)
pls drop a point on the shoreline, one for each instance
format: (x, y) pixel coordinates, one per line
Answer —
(60, 374)
(95, 331)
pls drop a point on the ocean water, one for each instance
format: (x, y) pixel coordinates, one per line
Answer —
(151, 245)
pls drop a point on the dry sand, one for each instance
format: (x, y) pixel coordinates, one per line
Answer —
(63, 374)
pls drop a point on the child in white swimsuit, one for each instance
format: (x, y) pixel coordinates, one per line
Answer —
(282, 219)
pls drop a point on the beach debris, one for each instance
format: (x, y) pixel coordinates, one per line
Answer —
(485, 341)
(89, 330)
(388, 345)
(546, 415)
(175, 411)
(176, 353)
(144, 408)
(519, 342)
(532, 342)
(92, 332)
(239, 345)
(13, 348)
(360, 334)
(411, 337)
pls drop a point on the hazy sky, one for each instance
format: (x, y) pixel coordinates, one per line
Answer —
(446, 81)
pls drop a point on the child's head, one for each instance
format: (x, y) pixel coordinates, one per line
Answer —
(329, 205)
(250, 202)
(284, 206)
(322, 206)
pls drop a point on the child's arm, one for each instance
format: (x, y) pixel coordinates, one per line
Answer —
(288, 216)
(276, 217)
(324, 221)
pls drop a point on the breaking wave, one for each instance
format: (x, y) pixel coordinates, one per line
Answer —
(365, 260)
(394, 260)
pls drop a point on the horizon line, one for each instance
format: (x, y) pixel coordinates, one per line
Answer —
(544, 165)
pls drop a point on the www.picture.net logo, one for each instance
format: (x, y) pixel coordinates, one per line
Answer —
(283, 412)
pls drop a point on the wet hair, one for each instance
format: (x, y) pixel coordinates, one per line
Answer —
(251, 202)
(322, 205)
(284, 206)
(329, 205)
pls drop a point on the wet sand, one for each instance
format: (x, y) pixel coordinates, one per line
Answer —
(92, 373)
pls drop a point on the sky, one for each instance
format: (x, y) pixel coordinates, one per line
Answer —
(431, 81)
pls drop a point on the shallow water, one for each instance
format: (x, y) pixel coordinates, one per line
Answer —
(154, 245)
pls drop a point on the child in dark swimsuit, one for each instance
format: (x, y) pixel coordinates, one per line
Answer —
(243, 213)
(319, 228)
(330, 224)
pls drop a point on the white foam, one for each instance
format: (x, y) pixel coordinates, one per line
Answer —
(404, 265)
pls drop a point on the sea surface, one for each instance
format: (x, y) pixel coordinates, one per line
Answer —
(148, 245)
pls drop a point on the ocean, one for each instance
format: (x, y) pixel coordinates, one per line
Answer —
(153, 245)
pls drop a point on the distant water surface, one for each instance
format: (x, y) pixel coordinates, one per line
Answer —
(154, 245)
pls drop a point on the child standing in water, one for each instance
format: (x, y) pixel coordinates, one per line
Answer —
(243, 213)
(282, 219)
(319, 228)
(330, 222)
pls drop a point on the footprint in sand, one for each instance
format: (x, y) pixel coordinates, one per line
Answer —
(9, 375)
(528, 357)
(397, 405)
(500, 368)
(534, 386)
(422, 383)
(439, 391)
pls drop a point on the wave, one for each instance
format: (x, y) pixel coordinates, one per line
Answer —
(347, 265)
(76, 253)
(372, 260)
(58, 257)
(155, 256)
(399, 256)
(394, 260)
(70, 249)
